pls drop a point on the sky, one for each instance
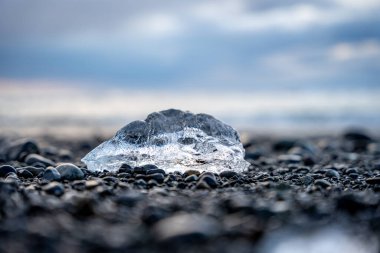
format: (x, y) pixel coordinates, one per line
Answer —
(274, 63)
(235, 44)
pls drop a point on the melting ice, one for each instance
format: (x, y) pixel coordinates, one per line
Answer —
(173, 140)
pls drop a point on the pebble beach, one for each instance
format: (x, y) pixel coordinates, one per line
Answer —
(319, 192)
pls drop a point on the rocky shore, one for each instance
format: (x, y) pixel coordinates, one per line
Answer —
(323, 192)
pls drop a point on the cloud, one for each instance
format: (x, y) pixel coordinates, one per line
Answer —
(369, 49)
(203, 43)
(155, 24)
(244, 16)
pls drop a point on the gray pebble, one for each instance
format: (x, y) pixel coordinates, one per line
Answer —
(34, 170)
(185, 227)
(54, 188)
(24, 173)
(154, 171)
(332, 173)
(51, 174)
(322, 182)
(290, 158)
(228, 174)
(34, 158)
(70, 172)
(159, 177)
(5, 169)
(191, 178)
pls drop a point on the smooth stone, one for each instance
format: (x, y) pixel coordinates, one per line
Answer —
(374, 148)
(140, 170)
(209, 180)
(157, 176)
(70, 172)
(54, 188)
(283, 145)
(110, 179)
(191, 172)
(154, 171)
(91, 184)
(191, 178)
(323, 183)
(290, 158)
(185, 227)
(51, 174)
(12, 178)
(24, 173)
(129, 199)
(202, 185)
(150, 167)
(302, 170)
(125, 168)
(353, 175)
(352, 170)
(124, 175)
(374, 180)
(5, 169)
(34, 170)
(34, 158)
(140, 182)
(332, 173)
(356, 135)
(19, 149)
(306, 180)
(228, 174)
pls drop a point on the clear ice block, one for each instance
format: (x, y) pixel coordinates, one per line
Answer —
(173, 140)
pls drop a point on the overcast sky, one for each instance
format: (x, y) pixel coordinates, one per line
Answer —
(233, 44)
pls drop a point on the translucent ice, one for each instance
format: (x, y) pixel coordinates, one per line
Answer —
(172, 140)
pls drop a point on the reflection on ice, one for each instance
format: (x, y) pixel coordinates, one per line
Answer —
(172, 140)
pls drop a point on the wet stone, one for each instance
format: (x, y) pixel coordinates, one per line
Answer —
(306, 180)
(191, 178)
(228, 174)
(12, 178)
(209, 180)
(154, 171)
(24, 173)
(374, 180)
(323, 183)
(69, 171)
(5, 169)
(124, 175)
(157, 176)
(34, 170)
(19, 149)
(332, 173)
(54, 188)
(90, 184)
(191, 172)
(290, 158)
(126, 168)
(38, 159)
(51, 174)
(353, 175)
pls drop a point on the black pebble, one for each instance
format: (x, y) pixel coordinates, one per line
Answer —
(5, 169)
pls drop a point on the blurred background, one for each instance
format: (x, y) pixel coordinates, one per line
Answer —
(284, 67)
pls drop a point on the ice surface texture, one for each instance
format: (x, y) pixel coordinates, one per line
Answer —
(172, 140)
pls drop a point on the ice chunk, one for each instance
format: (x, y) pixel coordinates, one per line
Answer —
(172, 140)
